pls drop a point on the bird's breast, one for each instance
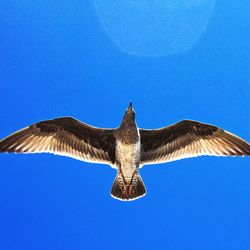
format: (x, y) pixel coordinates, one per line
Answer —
(128, 156)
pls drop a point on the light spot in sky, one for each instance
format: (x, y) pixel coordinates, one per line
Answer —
(154, 27)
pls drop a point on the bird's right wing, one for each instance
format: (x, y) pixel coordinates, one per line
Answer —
(189, 139)
(63, 136)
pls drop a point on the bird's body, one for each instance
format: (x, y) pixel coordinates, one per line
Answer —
(128, 183)
(126, 148)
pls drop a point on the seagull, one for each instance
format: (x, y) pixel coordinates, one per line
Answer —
(126, 148)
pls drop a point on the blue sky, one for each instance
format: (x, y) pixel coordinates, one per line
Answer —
(57, 60)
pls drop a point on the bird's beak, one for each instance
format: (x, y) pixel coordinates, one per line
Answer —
(130, 107)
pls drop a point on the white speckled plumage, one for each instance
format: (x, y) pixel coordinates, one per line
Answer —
(128, 155)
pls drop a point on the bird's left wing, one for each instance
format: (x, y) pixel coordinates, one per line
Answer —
(189, 139)
(63, 136)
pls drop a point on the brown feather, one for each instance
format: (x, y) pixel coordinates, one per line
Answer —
(189, 139)
(63, 136)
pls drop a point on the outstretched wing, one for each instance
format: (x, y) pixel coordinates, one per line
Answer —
(63, 136)
(189, 139)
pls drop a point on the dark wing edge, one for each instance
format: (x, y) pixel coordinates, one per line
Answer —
(187, 139)
(63, 136)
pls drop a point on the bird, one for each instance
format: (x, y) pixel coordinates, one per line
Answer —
(126, 148)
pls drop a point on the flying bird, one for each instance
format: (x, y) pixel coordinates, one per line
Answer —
(126, 148)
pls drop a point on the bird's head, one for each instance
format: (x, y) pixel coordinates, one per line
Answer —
(129, 116)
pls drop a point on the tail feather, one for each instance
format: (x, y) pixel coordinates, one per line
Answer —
(124, 191)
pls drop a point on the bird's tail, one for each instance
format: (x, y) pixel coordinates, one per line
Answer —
(131, 190)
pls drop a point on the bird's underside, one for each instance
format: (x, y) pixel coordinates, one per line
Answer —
(70, 137)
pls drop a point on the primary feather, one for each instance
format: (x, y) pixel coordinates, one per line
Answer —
(189, 139)
(63, 136)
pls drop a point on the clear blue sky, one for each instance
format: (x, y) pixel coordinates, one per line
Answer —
(57, 60)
